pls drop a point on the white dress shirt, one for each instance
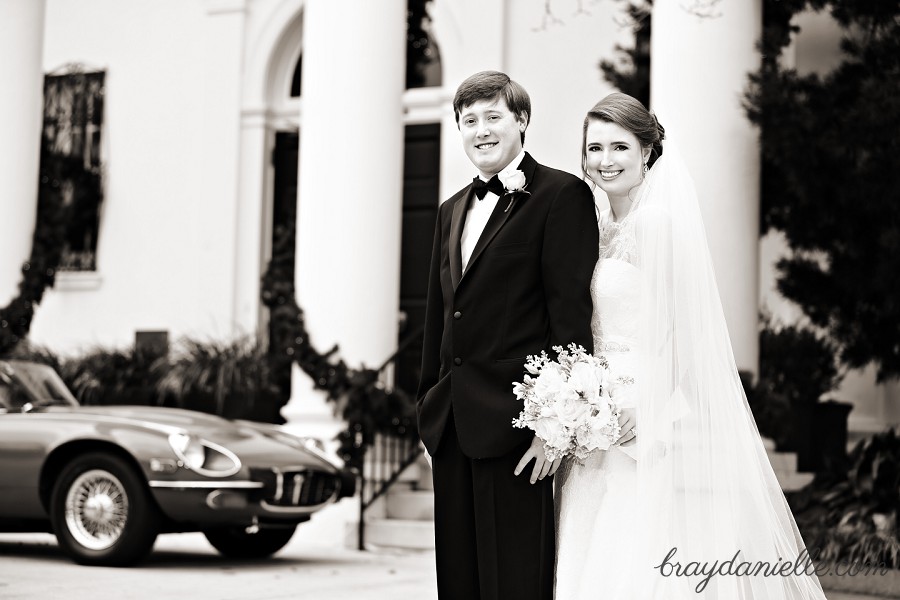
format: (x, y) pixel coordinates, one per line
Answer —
(479, 213)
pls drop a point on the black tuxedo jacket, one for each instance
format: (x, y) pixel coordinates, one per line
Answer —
(526, 289)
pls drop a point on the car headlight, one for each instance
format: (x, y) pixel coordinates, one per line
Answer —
(204, 457)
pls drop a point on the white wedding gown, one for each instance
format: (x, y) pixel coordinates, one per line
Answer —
(616, 521)
(595, 500)
(701, 485)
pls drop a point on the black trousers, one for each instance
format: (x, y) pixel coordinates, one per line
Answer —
(494, 532)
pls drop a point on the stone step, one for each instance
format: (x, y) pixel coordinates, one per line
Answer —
(783, 461)
(792, 481)
(785, 466)
(425, 481)
(411, 474)
(394, 533)
(418, 474)
(415, 505)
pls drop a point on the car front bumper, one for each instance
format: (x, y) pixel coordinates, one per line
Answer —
(270, 495)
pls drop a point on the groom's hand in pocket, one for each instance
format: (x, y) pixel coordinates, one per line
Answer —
(542, 466)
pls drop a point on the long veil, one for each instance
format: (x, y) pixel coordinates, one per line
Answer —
(709, 500)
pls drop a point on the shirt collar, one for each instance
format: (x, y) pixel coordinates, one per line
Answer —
(511, 167)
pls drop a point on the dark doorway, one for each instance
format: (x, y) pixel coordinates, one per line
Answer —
(285, 158)
(421, 195)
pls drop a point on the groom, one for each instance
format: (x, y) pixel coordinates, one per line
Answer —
(510, 276)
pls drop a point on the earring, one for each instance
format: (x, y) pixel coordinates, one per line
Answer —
(646, 168)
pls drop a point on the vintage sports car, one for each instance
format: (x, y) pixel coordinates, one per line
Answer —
(107, 479)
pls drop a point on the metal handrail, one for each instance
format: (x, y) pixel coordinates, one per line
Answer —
(406, 343)
(388, 456)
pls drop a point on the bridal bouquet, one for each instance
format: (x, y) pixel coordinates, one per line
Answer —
(567, 403)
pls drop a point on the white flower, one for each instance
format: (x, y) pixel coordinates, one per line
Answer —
(512, 182)
(594, 436)
(882, 523)
(570, 409)
(520, 390)
(585, 379)
(552, 432)
(549, 382)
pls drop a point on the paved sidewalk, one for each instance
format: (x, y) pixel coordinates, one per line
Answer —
(185, 566)
(314, 566)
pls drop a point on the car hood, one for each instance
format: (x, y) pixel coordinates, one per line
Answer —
(252, 442)
(155, 417)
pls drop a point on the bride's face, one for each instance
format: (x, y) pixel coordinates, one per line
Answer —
(614, 158)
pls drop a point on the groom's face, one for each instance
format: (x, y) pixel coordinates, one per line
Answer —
(491, 135)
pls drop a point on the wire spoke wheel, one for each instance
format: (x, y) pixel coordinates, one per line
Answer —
(102, 511)
(96, 509)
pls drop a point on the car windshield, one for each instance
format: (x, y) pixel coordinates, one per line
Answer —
(41, 384)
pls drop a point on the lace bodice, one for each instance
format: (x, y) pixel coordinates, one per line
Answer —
(617, 239)
(615, 288)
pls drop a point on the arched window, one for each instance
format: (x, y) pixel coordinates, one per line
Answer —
(295, 78)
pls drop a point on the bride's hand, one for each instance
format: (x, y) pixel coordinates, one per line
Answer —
(542, 466)
(628, 423)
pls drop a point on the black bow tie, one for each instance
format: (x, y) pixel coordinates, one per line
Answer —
(482, 187)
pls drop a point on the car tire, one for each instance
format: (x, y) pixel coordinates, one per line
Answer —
(102, 512)
(235, 542)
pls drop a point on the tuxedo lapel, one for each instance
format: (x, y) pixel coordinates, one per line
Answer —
(457, 221)
(504, 209)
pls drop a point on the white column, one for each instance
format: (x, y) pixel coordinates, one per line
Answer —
(21, 111)
(251, 223)
(349, 206)
(223, 40)
(699, 70)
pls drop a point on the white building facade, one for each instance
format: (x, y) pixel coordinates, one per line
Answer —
(198, 91)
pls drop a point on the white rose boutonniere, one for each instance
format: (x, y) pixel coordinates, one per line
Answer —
(514, 183)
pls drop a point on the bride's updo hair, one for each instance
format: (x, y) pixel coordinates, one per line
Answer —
(629, 114)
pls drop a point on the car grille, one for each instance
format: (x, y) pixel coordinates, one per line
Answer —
(296, 488)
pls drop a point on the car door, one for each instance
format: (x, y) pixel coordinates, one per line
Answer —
(22, 452)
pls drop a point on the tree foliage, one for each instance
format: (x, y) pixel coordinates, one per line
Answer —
(420, 47)
(854, 516)
(831, 171)
(630, 71)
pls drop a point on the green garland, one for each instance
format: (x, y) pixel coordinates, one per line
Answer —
(39, 271)
(362, 400)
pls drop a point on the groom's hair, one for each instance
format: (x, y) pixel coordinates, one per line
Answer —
(491, 85)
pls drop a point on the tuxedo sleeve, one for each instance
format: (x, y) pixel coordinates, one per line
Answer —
(434, 317)
(568, 258)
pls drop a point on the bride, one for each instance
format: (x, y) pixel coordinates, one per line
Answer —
(687, 505)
